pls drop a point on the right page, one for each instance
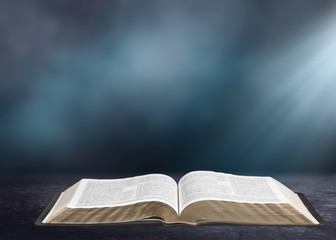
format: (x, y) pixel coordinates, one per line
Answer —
(206, 196)
(207, 185)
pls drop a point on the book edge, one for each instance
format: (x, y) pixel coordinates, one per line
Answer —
(311, 209)
(47, 209)
(53, 200)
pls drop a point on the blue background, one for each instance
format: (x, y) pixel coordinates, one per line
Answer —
(167, 86)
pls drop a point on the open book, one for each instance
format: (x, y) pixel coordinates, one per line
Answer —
(199, 197)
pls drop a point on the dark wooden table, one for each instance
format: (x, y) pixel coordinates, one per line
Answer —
(22, 199)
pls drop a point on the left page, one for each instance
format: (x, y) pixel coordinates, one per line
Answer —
(117, 200)
(119, 192)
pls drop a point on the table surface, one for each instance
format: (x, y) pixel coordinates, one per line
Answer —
(22, 199)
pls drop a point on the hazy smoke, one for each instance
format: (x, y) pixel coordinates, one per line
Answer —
(199, 83)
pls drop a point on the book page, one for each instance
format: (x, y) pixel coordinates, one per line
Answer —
(119, 192)
(62, 202)
(207, 185)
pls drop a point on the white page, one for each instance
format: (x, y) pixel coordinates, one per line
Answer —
(207, 185)
(119, 192)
